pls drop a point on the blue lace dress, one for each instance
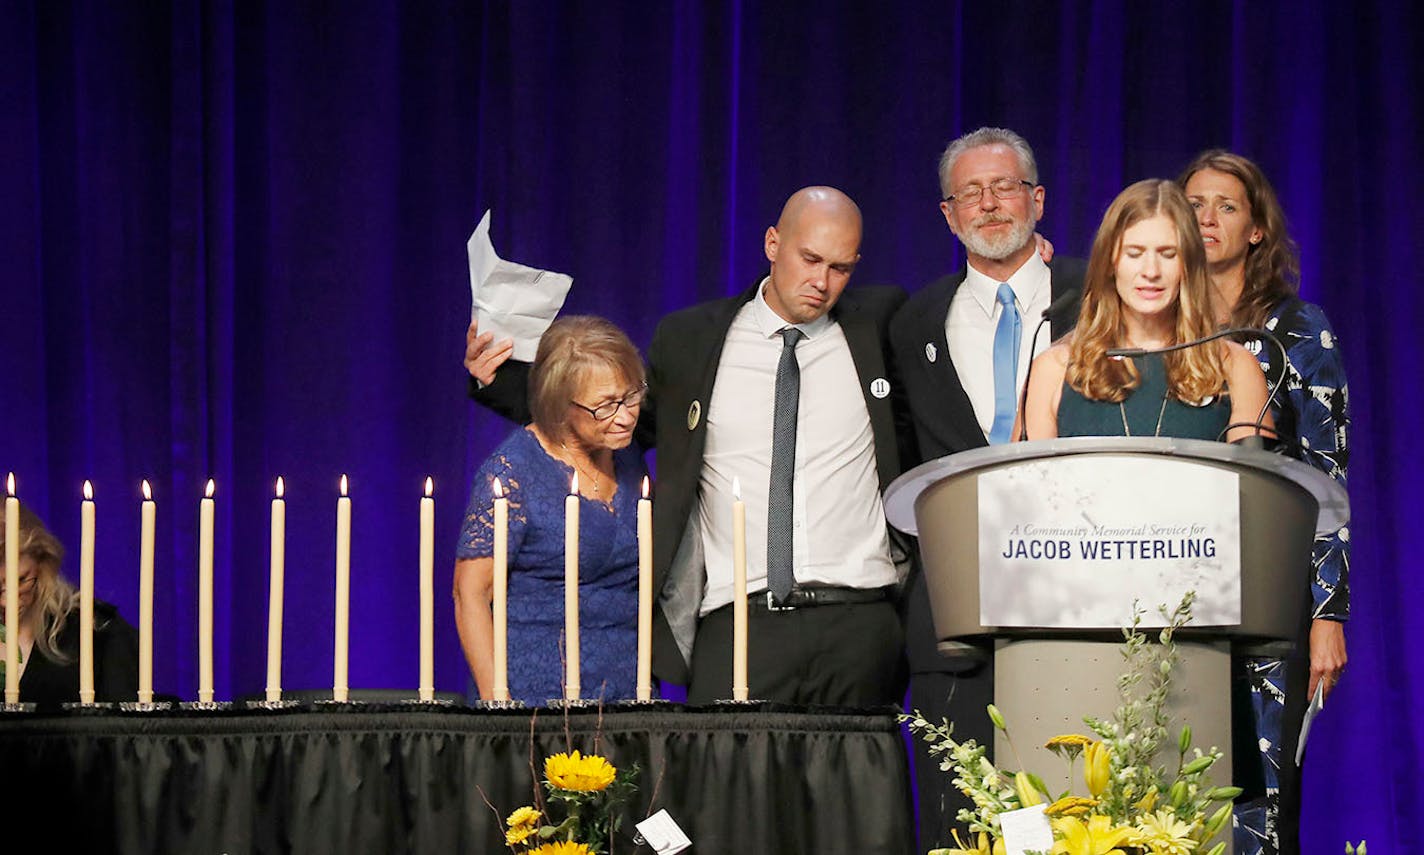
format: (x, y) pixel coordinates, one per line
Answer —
(536, 485)
(1312, 415)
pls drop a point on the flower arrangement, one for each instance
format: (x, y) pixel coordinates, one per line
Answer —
(580, 814)
(1132, 804)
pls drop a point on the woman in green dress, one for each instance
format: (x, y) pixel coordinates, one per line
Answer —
(1147, 287)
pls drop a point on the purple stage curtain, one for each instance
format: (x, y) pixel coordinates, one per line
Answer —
(233, 242)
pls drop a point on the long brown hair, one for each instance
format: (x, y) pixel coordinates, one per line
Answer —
(1272, 263)
(1193, 374)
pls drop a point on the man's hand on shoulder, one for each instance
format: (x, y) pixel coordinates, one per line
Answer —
(1045, 248)
(484, 356)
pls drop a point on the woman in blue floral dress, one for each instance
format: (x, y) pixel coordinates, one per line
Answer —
(1255, 273)
(586, 387)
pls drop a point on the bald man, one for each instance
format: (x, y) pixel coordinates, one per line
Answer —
(714, 372)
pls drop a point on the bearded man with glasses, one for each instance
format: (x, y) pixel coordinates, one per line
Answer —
(963, 345)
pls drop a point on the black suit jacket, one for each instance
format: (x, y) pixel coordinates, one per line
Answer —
(48, 683)
(944, 418)
(683, 360)
(682, 369)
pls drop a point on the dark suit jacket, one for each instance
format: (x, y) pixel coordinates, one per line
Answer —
(682, 368)
(943, 416)
(683, 360)
(48, 683)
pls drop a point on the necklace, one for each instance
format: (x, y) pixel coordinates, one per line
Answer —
(1126, 431)
(574, 460)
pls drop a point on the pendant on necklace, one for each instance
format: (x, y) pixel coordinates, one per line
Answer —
(1126, 431)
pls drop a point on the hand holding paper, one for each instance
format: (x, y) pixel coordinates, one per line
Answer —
(483, 355)
(509, 300)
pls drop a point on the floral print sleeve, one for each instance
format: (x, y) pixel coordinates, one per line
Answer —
(477, 529)
(1312, 412)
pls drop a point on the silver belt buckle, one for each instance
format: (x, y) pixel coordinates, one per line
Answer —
(771, 605)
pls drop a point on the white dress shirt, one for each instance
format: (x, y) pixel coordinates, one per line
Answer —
(972, 320)
(839, 533)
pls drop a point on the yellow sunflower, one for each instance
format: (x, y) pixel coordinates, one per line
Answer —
(579, 774)
(563, 847)
(523, 824)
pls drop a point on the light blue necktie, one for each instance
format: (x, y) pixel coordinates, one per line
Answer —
(1006, 366)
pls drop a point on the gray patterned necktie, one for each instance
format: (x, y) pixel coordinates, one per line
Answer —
(780, 574)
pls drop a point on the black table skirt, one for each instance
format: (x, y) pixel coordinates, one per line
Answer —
(385, 779)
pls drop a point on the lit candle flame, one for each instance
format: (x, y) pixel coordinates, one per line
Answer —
(573, 485)
(88, 491)
(498, 489)
(209, 493)
(645, 486)
(10, 484)
(147, 491)
(343, 485)
(429, 486)
(736, 488)
(281, 487)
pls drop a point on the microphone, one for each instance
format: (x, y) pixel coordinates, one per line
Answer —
(1251, 332)
(1063, 301)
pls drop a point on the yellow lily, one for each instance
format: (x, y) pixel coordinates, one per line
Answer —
(1096, 759)
(1028, 796)
(1097, 836)
(981, 846)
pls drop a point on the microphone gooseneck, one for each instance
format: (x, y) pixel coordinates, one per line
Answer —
(1055, 308)
(1259, 423)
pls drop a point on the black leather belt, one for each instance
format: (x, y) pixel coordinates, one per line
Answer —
(802, 598)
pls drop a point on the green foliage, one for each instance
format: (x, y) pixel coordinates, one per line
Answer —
(1140, 804)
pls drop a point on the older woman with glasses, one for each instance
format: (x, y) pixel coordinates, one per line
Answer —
(48, 630)
(586, 387)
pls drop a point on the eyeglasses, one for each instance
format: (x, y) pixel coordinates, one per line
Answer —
(1003, 188)
(25, 582)
(604, 412)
